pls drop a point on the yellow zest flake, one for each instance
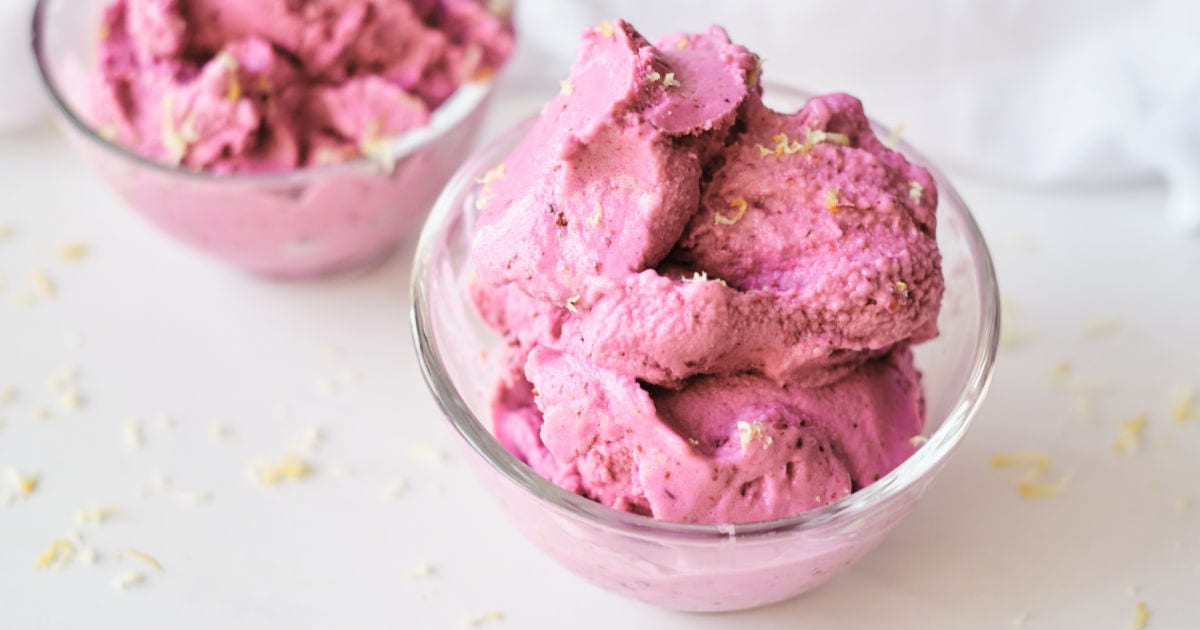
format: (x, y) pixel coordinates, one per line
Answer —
(782, 146)
(173, 141)
(901, 289)
(893, 138)
(58, 555)
(1183, 504)
(479, 620)
(813, 137)
(683, 43)
(596, 216)
(220, 431)
(653, 77)
(918, 440)
(25, 484)
(607, 29)
(73, 251)
(1141, 616)
(494, 175)
(146, 559)
(739, 205)
(1037, 489)
(104, 32)
(373, 145)
(566, 87)
(1184, 405)
(571, 303)
(71, 400)
(1036, 460)
(8, 393)
(832, 202)
(108, 132)
(233, 92)
(422, 570)
(128, 579)
(490, 177)
(271, 474)
(702, 276)
(669, 80)
(915, 190)
(96, 514)
(1130, 437)
(755, 72)
(1060, 372)
(750, 432)
(42, 284)
(132, 434)
(1036, 465)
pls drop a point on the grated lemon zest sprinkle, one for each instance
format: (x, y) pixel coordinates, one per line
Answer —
(607, 29)
(1141, 616)
(1130, 437)
(146, 559)
(42, 284)
(915, 191)
(73, 251)
(96, 514)
(750, 432)
(571, 303)
(57, 555)
(128, 579)
(479, 620)
(740, 205)
(669, 80)
(1183, 407)
(566, 87)
(832, 201)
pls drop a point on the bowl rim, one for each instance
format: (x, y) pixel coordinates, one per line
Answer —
(468, 97)
(924, 461)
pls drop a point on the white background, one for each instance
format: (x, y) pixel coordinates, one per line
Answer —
(165, 331)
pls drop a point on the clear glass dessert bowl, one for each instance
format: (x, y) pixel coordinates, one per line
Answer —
(688, 566)
(302, 223)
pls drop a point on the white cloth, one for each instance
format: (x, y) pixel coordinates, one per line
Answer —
(1092, 92)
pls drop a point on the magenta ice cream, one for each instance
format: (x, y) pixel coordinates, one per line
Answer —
(708, 304)
(274, 85)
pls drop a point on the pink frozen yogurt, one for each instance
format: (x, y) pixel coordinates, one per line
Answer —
(709, 305)
(273, 85)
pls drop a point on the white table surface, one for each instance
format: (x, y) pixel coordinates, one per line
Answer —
(154, 329)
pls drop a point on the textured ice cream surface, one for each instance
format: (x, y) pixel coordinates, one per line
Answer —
(608, 178)
(274, 85)
(722, 449)
(708, 305)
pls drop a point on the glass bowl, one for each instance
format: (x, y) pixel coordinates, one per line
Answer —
(303, 223)
(687, 566)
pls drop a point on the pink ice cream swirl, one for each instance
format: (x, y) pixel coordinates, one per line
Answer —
(708, 305)
(275, 85)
